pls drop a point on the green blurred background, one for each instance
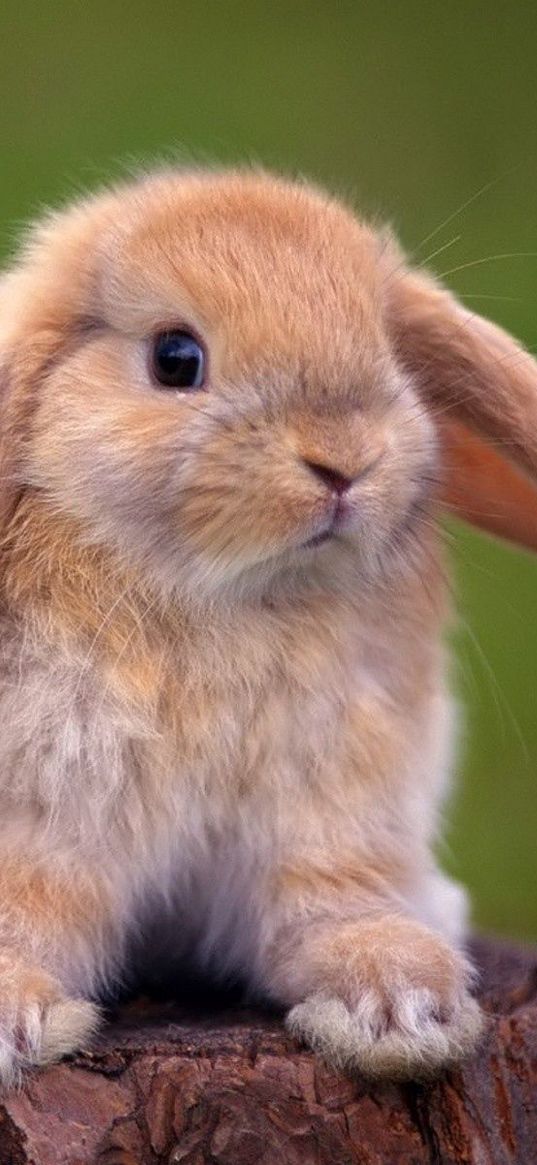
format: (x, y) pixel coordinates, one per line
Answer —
(410, 110)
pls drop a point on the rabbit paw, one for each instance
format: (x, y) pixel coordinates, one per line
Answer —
(407, 1019)
(38, 1023)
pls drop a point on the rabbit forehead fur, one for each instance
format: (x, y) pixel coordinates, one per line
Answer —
(265, 245)
(286, 288)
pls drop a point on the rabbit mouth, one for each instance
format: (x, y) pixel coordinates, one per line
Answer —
(339, 521)
(318, 539)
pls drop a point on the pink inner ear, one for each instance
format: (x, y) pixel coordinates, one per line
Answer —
(483, 488)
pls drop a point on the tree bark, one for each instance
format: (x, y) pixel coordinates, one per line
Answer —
(210, 1086)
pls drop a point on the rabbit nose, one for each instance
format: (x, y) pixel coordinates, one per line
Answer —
(333, 478)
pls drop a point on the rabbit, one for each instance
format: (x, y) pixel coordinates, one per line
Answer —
(232, 416)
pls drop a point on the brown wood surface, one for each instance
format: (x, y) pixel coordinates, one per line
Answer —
(213, 1086)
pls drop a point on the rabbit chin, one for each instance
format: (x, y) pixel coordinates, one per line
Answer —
(340, 562)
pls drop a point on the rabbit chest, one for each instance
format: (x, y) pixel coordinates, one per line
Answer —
(247, 721)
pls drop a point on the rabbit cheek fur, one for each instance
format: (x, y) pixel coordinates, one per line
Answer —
(201, 714)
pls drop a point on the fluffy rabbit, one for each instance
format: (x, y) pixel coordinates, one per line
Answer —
(222, 690)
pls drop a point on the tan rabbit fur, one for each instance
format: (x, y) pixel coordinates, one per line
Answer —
(206, 709)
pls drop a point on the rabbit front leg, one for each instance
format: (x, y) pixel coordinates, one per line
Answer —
(371, 988)
(55, 927)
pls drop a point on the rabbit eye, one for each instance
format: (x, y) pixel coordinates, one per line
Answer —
(178, 360)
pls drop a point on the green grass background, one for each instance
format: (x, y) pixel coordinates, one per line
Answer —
(410, 109)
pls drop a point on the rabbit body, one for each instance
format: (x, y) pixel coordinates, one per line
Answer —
(207, 710)
(286, 788)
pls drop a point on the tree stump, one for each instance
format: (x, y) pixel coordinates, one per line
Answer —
(207, 1085)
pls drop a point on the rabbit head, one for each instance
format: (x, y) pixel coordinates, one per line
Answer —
(230, 381)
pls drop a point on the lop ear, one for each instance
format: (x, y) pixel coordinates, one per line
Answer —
(482, 387)
(21, 368)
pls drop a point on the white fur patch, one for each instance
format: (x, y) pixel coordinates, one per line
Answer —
(412, 1042)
